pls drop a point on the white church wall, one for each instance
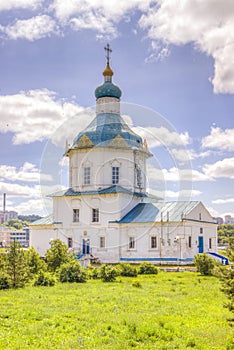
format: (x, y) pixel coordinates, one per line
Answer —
(100, 161)
(41, 236)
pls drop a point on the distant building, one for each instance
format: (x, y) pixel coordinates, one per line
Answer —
(8, 215)
(22, 236)
(4, 236)
(219, 220)
(229, 220)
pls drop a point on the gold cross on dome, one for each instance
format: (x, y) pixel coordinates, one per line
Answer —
(108, 52)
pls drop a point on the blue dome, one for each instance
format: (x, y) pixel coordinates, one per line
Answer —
(105, 128)
(108, 89)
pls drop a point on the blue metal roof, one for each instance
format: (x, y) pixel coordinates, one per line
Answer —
(155, 212)
(108, 190)
(104, 129)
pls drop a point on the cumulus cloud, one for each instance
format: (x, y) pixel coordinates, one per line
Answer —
(17, 4)
(35, 206)
(101, 16)
(161, 136)
(208, 24)
(36, 115)
(223, 201)
(168, 194)
(223, 168)
(27, 173)
(35, 28)
(174, 174)
(219, 139)
(16, 190)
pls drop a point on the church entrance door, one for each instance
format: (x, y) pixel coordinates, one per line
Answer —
(86, 246)
(200, 244)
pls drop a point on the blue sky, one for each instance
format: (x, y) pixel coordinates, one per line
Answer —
(173, 61)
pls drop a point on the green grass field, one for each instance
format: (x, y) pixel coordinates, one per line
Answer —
(177, 310)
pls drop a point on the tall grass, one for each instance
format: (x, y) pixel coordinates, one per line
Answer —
(170, 311)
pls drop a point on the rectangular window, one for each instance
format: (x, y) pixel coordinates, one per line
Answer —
(190, 241)
(76, 215)
(153, 242)
(95, 215)
(102, 242)
(69, 242)
(201, 229)
(210, 243)
(199, 216)
(115, 175)
(132, 243)
(87, 176)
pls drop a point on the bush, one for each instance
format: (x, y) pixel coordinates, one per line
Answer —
(72, 272)
(204, 264)
(147, 269)
(127, 270)
(44, 279)
(4, 283)
(94, 273)
(108, 273)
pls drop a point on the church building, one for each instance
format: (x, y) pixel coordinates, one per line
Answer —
(106, 214)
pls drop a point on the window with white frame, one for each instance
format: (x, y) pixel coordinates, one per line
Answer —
(102, 242)
(132, 242)
(115, 175)
(153, 242)
(95, 215)
(87, 176)
(76, 215)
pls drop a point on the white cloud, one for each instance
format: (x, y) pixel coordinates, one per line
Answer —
(223, 201)
(34, 206)
(35, 28)
(222, 168)
(27, 173)
(17, 4)
(182, 194)
(175, 174)
(208, 24)
(162, 136)
(16, 190)
(101, 16)
(185, 155)
(219, 139)
(37, 114)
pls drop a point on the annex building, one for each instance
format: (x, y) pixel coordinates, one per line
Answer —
(106, 212)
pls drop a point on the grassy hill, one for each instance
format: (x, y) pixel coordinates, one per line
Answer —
(177, 310)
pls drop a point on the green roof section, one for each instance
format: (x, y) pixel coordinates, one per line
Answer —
(109, 190)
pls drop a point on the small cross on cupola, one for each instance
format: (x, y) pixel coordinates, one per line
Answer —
(108, 52)
(108, 71)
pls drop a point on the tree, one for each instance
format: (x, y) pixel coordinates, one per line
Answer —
(35, 263)
(226, 276)
(204, 264)
(225, 233)
(16, 224)
(57, 255)
(16, 265)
